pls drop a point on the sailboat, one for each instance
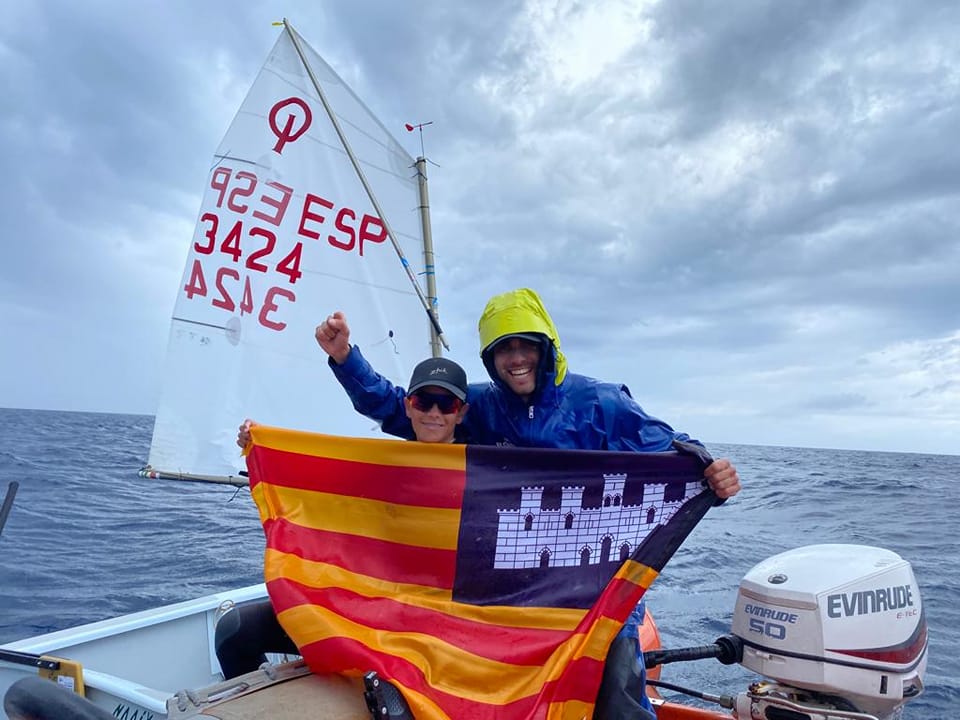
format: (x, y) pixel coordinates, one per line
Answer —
(289, 228)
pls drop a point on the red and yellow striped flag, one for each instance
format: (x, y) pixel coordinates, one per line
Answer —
(484, 582)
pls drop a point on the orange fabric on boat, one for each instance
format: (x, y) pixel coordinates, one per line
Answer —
(676, 711)
(650, 640)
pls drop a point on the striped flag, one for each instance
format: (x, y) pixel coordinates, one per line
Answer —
(484, 582)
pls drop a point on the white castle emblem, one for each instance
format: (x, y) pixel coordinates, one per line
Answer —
(530, 536)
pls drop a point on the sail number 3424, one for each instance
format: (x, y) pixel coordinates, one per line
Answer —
(256, 244)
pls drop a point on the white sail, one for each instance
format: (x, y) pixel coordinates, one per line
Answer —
(286, 235)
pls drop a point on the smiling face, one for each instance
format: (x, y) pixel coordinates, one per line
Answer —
(515, 361)
(429, 423)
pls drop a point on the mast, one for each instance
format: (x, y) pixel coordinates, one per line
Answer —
(428, 261)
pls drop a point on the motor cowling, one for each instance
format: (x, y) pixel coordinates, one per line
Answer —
(839, 621)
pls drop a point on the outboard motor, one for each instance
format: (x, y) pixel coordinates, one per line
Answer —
(839, 630)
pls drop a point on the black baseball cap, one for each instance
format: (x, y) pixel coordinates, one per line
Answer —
(442, 373)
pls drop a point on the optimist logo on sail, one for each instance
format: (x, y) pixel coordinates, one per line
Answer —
(288, 133)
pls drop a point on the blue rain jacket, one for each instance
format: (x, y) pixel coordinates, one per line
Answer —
(566, 411)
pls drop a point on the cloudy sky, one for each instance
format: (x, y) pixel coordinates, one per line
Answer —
(748, 212)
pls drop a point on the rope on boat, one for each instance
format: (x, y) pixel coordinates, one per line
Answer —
(725, 701)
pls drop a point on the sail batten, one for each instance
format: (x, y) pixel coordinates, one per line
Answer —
(285, 235)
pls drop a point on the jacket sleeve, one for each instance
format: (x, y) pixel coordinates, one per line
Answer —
(629, 428)
(372, 394)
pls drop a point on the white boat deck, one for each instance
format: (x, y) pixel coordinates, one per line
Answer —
(137, 661)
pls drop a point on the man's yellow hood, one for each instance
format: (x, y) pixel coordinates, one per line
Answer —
(519, 311)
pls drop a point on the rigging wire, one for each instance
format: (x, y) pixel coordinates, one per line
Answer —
(435, 323)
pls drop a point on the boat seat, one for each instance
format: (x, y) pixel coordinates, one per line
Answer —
(245, 633)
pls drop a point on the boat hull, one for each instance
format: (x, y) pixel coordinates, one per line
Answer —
(139, 666)
(132, 664)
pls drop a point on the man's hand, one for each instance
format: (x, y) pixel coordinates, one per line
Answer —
(722, 477)
(333, 335)
(243, 436)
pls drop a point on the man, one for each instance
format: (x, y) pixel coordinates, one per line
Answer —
(436, 400)
(434, 404)
(533, 401)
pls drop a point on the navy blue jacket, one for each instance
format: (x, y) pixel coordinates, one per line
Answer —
(579, 413)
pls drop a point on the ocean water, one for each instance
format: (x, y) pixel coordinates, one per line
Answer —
(88, 539)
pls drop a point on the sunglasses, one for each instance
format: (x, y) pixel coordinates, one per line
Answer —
(424, 402)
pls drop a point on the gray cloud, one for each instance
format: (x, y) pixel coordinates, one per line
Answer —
(718, 203)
